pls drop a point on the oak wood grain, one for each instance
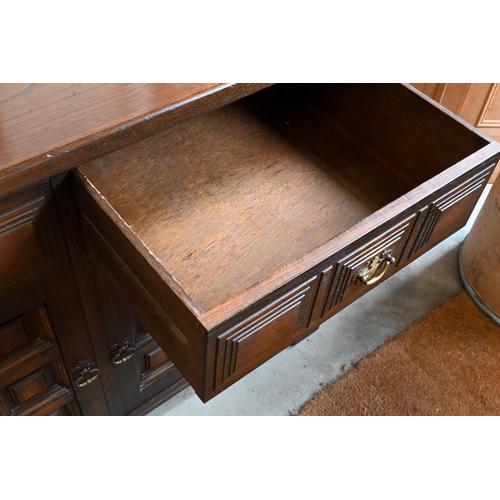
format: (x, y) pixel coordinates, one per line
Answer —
(46, 129)
(225, 200)
(421, 195)
(212, 225)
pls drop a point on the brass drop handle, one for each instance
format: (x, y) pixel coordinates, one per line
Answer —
(375, 269)
(122, 351)
(122, 357)
(85, 373)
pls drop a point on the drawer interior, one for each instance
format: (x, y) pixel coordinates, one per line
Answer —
(227, 198)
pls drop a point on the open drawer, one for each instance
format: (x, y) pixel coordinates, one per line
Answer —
(235, 233)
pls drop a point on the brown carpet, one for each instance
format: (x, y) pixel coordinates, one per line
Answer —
(448, 363)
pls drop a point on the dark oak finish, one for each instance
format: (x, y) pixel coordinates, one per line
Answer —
(213, 233)
(140, 368)
(70, 220)
(46, 129)
(33, 377)
(255, 194)
(43, 335)
(142, 382)
(161, 313)
(235, 199)
(234, 233)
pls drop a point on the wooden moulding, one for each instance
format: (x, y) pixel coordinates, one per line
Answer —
(226, 214)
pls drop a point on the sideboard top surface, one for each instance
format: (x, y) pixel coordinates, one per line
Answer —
(48, 128)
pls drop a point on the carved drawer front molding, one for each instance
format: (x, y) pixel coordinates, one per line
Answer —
(264, 334)
(34, 379)
(429, 217)
(337, 281)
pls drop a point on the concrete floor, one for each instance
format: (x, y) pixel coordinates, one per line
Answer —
(283, 384)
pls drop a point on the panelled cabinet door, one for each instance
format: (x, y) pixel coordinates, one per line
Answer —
(135, 373)
(143, 373)
(46, 360)
(34, 379)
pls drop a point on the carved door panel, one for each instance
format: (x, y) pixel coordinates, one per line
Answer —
(46, 359)
(34, 379)
(143, 373)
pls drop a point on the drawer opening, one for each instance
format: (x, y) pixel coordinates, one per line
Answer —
(225, 199)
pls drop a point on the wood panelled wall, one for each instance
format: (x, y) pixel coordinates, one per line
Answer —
(477, 103)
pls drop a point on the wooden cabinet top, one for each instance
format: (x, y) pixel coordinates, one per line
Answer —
(46, 128)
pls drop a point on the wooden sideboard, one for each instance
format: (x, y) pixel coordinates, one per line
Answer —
(153, 236)
(60, 352)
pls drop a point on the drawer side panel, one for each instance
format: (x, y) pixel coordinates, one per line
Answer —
(185, 347)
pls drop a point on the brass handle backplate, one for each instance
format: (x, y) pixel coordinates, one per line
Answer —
(375, 269)
(85, 373)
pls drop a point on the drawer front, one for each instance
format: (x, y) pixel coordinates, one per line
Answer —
(342, 281)
(448, 212)
(338, 280)
(438, 217)
(264, 334)
(258, 338)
